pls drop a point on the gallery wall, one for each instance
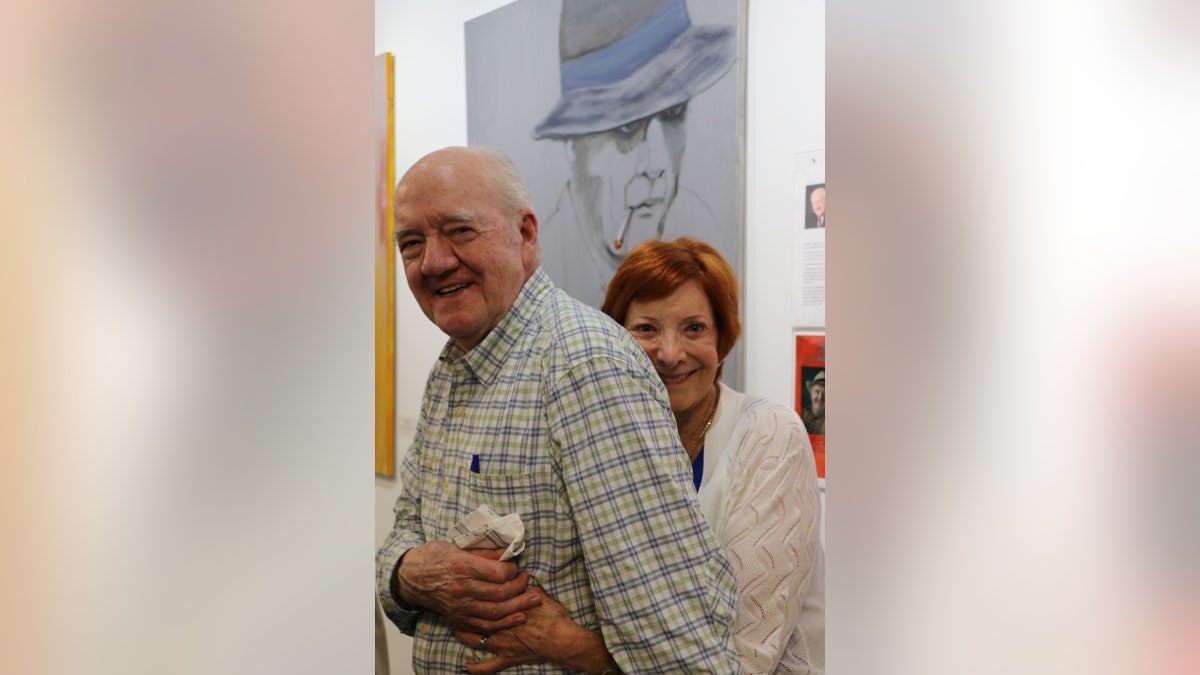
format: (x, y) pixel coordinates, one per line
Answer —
(785, 116)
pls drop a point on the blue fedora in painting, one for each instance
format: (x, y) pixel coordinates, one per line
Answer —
(623, 60)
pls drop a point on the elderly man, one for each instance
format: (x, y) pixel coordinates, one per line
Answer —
(541, 406)
(628, 70)
(817, 200)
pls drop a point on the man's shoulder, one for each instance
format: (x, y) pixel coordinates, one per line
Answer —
(572, 332)
(579, 330)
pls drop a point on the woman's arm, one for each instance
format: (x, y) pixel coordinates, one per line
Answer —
(771, 532)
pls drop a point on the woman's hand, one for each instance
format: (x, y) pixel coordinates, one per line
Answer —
(547, 636)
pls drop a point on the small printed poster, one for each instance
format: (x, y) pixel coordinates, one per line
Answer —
(808, 241)
(810, 393)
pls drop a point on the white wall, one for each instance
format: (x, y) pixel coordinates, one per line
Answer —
(785, 115)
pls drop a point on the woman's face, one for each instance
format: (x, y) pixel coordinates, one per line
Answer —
(680, 337)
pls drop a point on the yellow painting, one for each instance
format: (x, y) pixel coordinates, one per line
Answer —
(385, 271)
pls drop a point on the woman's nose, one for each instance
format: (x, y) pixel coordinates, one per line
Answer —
(670, 351)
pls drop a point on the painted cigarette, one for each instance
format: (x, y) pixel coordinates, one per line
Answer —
(624, 228)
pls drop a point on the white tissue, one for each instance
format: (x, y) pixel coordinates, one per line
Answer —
(485, 529)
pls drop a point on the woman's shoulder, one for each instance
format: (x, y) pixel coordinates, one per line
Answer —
(769, 446)
(763, 426)
(763, 415)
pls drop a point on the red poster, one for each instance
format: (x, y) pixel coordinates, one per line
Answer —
(810, 392)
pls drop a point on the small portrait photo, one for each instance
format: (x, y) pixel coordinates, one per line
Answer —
(810, 393)
(812, 401)
(814, 212)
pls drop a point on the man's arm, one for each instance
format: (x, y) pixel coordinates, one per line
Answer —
(406, 534)
(664, 590)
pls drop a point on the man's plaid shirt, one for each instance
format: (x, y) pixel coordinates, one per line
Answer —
(574, 431)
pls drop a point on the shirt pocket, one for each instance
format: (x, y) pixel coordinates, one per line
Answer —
(509, 492)
(545, 513)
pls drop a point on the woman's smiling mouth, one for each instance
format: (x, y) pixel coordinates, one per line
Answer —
(675, 379)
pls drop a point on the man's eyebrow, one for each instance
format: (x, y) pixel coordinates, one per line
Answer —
(459, 216)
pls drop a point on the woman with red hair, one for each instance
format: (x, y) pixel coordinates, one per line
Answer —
(751, 459)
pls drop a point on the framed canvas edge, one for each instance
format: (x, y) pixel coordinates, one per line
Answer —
(740, 188)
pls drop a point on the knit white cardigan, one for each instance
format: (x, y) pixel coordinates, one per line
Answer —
(760, 495)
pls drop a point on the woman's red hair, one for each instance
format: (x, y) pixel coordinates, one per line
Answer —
(655, 268)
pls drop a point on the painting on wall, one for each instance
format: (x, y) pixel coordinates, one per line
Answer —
(626, 119)
(810, 393)
(385, 271)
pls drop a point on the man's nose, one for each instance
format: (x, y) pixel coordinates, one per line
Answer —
(652, 155)
(438, 258)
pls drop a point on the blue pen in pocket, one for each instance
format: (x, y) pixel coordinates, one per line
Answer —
(475, 463)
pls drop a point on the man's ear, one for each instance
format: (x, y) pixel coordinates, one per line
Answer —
(528, 227)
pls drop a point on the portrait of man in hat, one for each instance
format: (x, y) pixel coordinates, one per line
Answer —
(633, 133)
(628, 72)
(813, 414)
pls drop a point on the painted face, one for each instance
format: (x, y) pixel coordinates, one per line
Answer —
(680, 337)
(628, 173)
(465, 262)
(818, 400)
(818, 201)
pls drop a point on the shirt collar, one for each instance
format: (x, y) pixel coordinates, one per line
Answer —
(486, 359)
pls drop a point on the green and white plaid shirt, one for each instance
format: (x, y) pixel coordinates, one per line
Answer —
(574, 431)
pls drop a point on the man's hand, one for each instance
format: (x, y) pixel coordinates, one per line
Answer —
(472, 588)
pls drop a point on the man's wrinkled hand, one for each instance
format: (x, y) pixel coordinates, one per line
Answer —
(471, 588)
